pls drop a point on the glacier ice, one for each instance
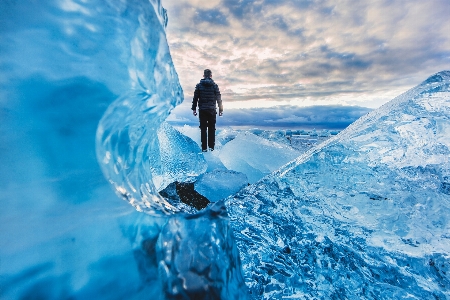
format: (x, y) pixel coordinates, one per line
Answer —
(185, 163)
(219, 184)
(254, 156)
(191, 132)
(363, 215)
(180, 158)
(197, 258)
(254, 153)
(83, 84)
(89, 83)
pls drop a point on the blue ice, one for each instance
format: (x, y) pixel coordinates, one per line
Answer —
(85, 88)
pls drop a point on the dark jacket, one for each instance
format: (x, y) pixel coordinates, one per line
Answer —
(206, 95)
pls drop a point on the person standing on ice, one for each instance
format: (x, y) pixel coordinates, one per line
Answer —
(206, 95)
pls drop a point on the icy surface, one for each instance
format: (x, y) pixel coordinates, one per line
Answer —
(255, 156)
(192, 132)
(213, 160)
(197, 258)
(254, 153)
(301, 140)
(180, 158)
(89, 83)
(363, 215)
(219, 184)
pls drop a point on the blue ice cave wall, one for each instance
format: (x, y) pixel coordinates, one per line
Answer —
(73, 73)
(364, 215)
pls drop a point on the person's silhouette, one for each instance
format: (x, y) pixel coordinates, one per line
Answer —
(206, 95)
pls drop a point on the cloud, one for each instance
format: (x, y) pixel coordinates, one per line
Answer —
(329, 117)
(358, 53)
(213, 16)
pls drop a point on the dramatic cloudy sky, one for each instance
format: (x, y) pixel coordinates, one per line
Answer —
(306, 62)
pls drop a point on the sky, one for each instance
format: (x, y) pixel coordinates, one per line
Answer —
(305, 63)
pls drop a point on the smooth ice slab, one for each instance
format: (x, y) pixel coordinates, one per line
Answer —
(255, 156)
(219, 184)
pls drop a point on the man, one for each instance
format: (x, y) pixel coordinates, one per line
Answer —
(206, 95)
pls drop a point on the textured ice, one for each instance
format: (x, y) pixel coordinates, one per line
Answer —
(220, 180)
(197, 258)
(365, 215)
(225, 135)
(254, 152)
(180, 158)
(300, 140)
(89, 83)
(192, 132)
(68, 69)
(255, 156)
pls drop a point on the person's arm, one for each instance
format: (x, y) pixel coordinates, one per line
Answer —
(195, 100)
(219, 100)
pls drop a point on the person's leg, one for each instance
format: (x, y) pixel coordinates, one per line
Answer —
(212, 130)
(203, 116)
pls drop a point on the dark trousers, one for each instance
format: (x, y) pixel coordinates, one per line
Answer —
(207, 128)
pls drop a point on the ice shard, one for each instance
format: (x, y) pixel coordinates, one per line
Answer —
(219, 184)
(180, 158)
(255, 156)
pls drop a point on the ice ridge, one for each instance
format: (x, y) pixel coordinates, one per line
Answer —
(363, 215)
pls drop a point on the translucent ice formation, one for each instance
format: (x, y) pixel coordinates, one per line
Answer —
(255, 156)
(365, 215)
(68, 68)
(179, 158)
(219, 184)
(198, 259)
(127, 149)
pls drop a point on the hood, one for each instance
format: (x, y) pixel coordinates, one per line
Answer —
(207, 82)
